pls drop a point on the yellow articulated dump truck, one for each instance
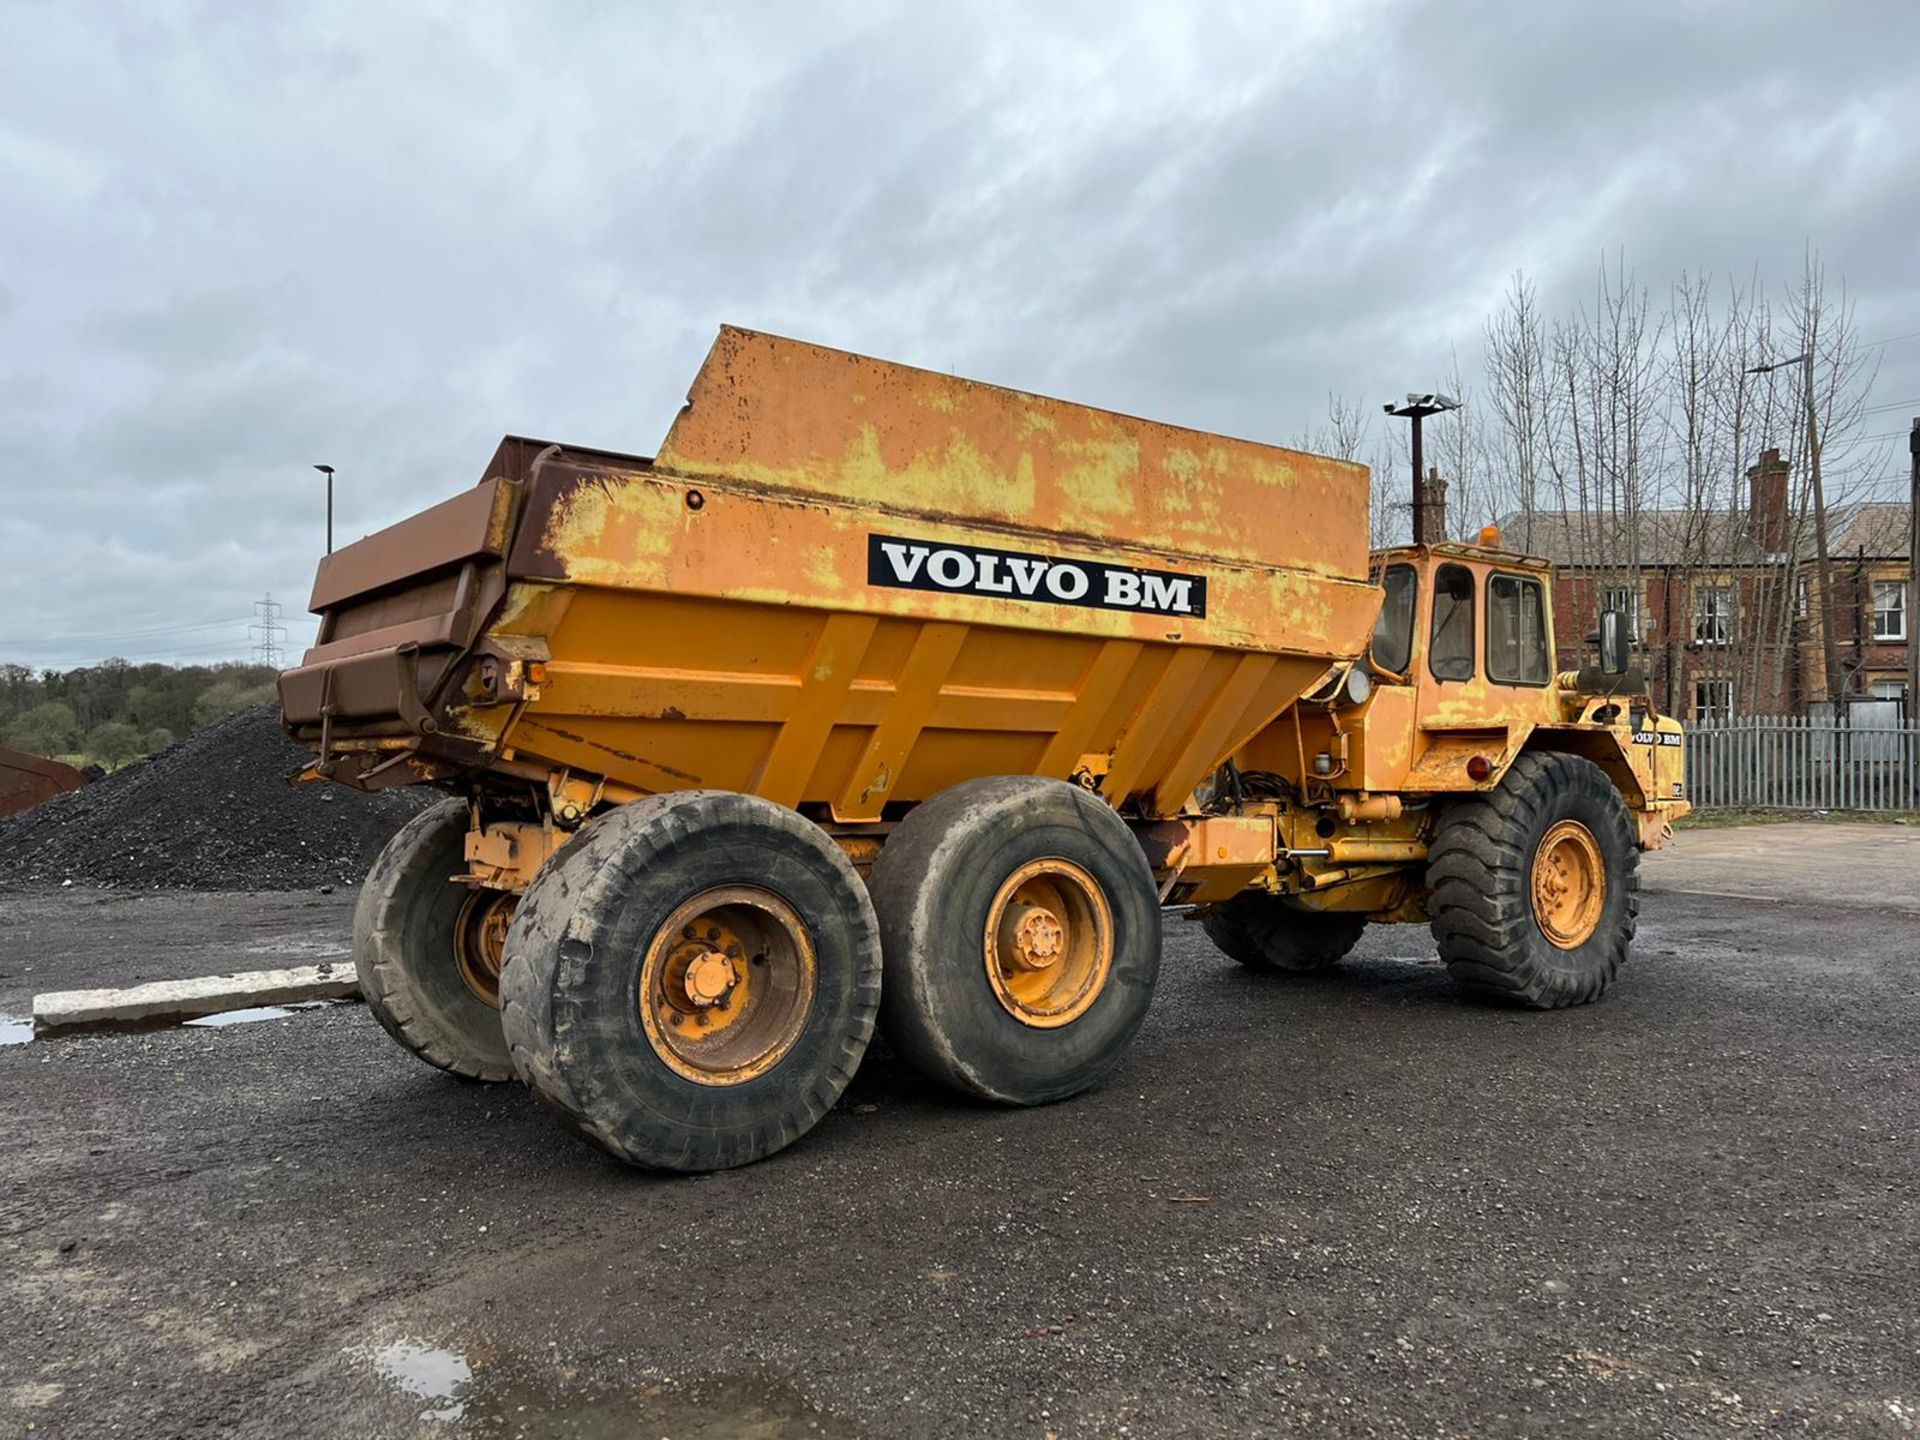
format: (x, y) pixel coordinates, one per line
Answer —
(882, 696)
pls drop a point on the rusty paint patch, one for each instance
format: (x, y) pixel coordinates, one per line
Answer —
(784, 414)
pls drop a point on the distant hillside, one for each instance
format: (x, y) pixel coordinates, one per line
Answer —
(115, 712)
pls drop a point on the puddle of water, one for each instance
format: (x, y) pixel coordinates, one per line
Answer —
(257, 1012)
(497, 1395)
(428, 1373)
(15, 1030)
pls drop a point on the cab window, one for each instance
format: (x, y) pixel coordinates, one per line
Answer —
(1517, 632)
(1393, 631)
(1450, 651)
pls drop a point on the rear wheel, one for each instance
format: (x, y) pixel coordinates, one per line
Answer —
(428, 949)
(1022, 938)
(692, 980)
(1268, 932)
(1536, 884)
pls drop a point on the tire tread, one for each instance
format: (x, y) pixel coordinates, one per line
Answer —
(1478, 875)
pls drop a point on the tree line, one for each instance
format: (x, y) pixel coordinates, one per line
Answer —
(115, 712)
(1652, 398)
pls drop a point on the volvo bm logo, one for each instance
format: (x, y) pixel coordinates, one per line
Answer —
(974, 570)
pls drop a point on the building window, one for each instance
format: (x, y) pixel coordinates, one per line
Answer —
(1713, 700)
(1889, 609)
(1800, 598)
(1712, 614)
(1896, 691)
(1517, 632)
(1626, 600)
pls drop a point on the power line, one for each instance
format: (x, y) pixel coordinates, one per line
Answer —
(83, 637)
(1893, 340)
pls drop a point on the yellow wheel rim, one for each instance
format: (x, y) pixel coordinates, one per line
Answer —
(1569, 884)
(480, 940)
(1049, 943)
(727, 985)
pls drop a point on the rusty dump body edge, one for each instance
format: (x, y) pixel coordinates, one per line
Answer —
(845, 583)
(26, 780)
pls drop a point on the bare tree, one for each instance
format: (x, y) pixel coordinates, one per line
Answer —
(1517, 393)
(1628, 429)
(1347, 434)
(1836, 376)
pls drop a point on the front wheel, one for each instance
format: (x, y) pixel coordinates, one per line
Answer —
(1536, 884)
(1022, 938)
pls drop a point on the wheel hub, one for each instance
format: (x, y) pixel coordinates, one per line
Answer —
(710, 978)
(727, 984)
(1032, 936)
(1569, 884)
(480, 940)
(1049, 943)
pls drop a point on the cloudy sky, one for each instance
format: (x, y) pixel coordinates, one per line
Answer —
(237, 240)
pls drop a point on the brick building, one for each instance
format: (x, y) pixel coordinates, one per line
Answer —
(1725, 604)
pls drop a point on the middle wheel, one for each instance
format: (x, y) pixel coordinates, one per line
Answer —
(692, 980)
(1021, 938)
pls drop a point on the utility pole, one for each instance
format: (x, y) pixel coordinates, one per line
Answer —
(327, 470)
(1829, 642)
(1912, 707)
(1416, 409)
(267, 631)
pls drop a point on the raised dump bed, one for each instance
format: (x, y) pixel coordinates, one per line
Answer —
(880, 693)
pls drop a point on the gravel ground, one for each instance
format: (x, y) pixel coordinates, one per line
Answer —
(1351, 1205)
(214, 812)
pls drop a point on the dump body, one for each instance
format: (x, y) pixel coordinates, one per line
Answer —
(844, 585)
(26, 780)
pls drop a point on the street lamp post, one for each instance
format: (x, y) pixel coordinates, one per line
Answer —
(1912, 717)
(1829, 643)
(1416, 409)
(327, 470)
(1911, 710)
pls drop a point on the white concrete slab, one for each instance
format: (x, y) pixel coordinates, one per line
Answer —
(168, 1001)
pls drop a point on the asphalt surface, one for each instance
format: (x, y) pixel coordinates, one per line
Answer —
(1351, 1205)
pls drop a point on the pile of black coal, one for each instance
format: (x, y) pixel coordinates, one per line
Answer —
(214, 812)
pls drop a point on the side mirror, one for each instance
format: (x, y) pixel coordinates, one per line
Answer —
(1614, 643)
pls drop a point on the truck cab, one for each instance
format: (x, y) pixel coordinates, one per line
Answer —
(1467, 633)
(1459, 680)
(1468, 630)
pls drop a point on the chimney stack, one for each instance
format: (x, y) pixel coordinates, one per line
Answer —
(1433, 502)
(1767, 488)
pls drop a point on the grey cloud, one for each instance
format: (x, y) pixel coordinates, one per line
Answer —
(234, 242)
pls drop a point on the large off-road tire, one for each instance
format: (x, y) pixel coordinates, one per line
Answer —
(1022, 938)
(692, 980)
(1269, 932)
(408, 928)
(1536, 884)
